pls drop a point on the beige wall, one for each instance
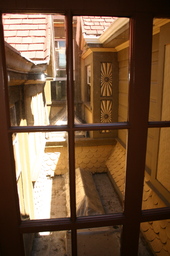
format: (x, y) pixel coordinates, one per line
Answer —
(23, 175)
(89, 158)
(87, 110)
(36, 114)
(47, 92)
(103, 65)
(158, 170)
(29, 147)
(156, 233)
(157, 159)
(123, 60)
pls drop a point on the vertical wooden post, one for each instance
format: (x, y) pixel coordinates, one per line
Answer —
(139, 95)
(10, 237)
(70, 114)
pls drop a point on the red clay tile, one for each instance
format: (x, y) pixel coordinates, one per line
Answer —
(16, 40)
(40, 21)
(98, 27)
(39, 55)
(28, 33)
(9, 33)
(13, 45)
(30, 55)
(27, 40)
(22, 33)
(12, 21)
(22, 47)
(36, 46)
(97, 24)
(91, 32)
(37, 33)
(42, 26)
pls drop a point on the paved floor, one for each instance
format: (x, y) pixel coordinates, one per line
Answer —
(51, 243)
(53, 205)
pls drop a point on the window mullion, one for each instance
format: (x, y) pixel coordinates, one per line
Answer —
(139, 91)
(8, 192)
(71, 140)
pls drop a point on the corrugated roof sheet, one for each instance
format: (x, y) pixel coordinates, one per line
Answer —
(29, 34)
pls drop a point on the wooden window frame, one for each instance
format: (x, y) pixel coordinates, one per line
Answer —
(12, 228)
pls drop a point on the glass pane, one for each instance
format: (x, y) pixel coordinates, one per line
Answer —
(156, 235)
(160, 77)
(36, 68)
(156, 192)
(101, 68)
(100, 173)
(41, 167)
(46, 243)
(99, 241)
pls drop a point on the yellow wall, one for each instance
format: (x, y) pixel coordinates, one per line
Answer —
(156, 233)
(123, 60)
(90, 158)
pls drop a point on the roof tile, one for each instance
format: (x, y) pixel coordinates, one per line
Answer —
(28, 40)
(164, 223)
(97, 25)
(42, 26)
(28, 33)
(15, 40)
(8, 33)
(37, 33)
(39, 55)
(22, 47)
(156, 245)
(36, 47)
(31, 55)
(168, 246)
(22, 33)
(163, 235)
(168, 230)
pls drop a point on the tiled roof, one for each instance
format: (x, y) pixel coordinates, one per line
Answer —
(29, 34)
(116, 161)
(89, 158)
(94, 26)
(156, 233)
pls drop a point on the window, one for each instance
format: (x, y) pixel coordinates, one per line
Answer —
(88, 70)
(136, 126)
(60, 54)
